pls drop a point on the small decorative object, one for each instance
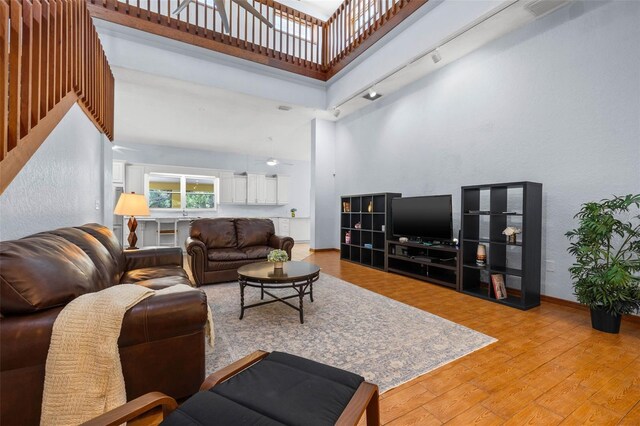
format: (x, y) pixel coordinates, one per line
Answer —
(347, 237)
(499, 288)
(481, 255)
(606, 246)
(368, 245)
(511, 233)
(277, 257)
(357, 225)
(346, 206)
(403, 239)
(383, 228)
(293, 212)
(370, 207)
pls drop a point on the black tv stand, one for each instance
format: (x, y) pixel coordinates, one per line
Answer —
(434, 263)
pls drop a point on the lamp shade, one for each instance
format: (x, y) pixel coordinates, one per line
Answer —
(132, 205)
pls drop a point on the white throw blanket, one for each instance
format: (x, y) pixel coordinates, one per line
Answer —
(83, 377)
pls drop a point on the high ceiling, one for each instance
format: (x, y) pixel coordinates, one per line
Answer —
(161, 111)
(319, 8)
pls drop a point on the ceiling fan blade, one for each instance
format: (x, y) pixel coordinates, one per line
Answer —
(252, 10)
(223, 15)
(182, 6)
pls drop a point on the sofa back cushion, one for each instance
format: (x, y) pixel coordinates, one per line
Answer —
(108, 239)
(254, 232)
(214, 233)
(43, 271)
(105, 264)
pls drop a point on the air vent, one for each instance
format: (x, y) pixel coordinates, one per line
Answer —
(542, 7)
(284, 108)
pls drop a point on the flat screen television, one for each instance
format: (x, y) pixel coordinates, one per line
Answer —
(426, 218)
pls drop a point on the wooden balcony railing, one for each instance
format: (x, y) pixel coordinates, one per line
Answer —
(51, 58)
(297, 42)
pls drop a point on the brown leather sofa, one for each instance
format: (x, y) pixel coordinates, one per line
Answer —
(162, 338)
(218, 247)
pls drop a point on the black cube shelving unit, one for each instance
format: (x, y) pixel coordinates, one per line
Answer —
(486, 211)
(372, 213)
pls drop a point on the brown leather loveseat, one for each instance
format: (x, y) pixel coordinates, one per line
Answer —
(218, 247)
(162, 338)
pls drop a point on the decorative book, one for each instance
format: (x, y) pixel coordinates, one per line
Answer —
(499, 289)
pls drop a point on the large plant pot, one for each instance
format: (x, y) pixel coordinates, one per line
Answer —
(604, 321)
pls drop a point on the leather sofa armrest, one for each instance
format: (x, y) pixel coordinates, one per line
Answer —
(150, 257)
(164, 316)
(198, 259)
(282, 243)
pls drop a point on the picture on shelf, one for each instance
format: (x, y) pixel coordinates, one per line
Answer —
(499, 289)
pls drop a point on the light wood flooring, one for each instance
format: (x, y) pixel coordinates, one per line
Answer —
(548, 367)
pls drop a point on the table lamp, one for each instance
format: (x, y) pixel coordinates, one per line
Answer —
(132, 205)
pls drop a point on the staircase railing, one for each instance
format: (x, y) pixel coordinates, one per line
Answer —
(51, 58)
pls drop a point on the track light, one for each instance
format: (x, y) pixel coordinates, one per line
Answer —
(336, 112)
(436, 57)
(372, 95)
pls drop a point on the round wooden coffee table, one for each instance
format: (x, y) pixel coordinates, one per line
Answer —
(298, 276)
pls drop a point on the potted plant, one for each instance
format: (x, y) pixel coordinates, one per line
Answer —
(606, 246)
(278, 257)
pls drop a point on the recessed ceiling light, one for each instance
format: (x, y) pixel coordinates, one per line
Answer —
(272, 162)
(284, 108)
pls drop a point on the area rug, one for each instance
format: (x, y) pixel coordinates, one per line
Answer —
(346, 326)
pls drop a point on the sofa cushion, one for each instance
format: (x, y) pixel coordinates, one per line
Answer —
(257, 252)
(254, 232)
(216, 265)
(163, 282)
(109, 241)
(214, 233)
(226, 254)
(100, 256)
(142, 274)
(43, 271)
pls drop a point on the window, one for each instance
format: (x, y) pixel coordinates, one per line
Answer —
(172, 191)
(200, 193)
(293, 26)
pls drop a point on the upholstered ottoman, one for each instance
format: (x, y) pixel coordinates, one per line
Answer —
(280, 389)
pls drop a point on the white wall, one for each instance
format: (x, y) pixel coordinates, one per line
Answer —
(556, 102)
(60, 184)
(299, 183)
(324, 203)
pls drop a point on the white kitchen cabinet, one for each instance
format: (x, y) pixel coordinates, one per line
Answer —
(300, 229)
(256, 189)
(117, 175)
(282, 189)
(227, 186)
(261, 189)
(283, 227)
(252, 188)
(271, 188)
(239, 189)
(134, 179)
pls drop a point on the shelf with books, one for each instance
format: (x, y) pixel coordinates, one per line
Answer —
(364, 224)
(488, 210)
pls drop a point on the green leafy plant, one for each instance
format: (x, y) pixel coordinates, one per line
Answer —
(277, 256)
(606, 246)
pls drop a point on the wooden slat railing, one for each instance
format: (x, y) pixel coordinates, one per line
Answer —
(51, 58)
(357, 24)
(297, 42)
(294, 43)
